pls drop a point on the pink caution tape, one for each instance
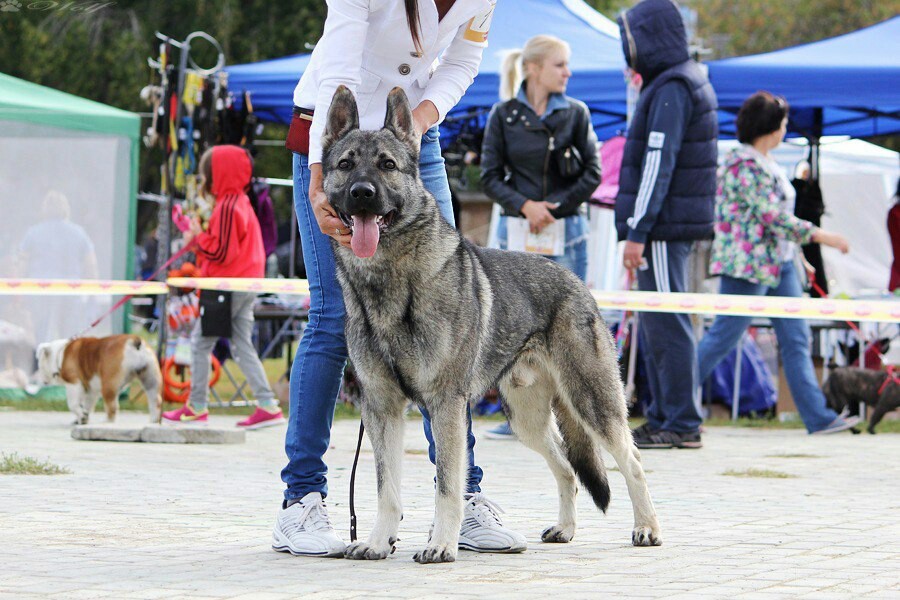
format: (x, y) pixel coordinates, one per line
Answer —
(80, 287)
(881, 311)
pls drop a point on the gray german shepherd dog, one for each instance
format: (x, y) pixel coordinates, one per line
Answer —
(434, 319)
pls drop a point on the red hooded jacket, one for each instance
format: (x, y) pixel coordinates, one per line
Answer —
(232, 245)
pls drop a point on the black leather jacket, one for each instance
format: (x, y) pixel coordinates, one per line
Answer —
(519, 159)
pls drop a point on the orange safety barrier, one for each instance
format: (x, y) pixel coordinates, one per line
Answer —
(179, 391)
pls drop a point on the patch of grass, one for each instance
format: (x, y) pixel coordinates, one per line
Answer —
(416, 451)
(758, 473)
(798, 455)
(342, 410)
(13, 464)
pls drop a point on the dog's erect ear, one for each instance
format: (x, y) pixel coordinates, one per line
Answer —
(343, 116)
(399, 118)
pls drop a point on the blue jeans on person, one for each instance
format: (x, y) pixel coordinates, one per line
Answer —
(793, 344)
(575, 258)
(319, 365)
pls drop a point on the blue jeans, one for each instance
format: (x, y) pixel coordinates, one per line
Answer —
(319, 365)
(793, 345)
(575, 259)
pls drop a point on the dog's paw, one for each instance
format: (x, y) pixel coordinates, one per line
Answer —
(558, 534)
(435, 554)
(363, 551)
(646, 536)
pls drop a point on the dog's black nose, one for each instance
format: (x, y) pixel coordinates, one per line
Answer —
(362, 190)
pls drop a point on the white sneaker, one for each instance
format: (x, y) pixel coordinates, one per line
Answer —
(303, 529)
(483, 531)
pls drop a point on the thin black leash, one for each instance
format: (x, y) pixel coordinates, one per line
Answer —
(353, 482)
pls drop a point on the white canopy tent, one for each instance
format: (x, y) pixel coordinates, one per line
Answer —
(858, 180)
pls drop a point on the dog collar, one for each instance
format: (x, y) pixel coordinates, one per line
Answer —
(60, 365)
(891, 376)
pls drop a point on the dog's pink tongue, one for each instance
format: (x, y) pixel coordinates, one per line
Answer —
(365, 236)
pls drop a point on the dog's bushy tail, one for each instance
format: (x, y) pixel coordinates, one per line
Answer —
(583, 455)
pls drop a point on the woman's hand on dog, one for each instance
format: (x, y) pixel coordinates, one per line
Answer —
(330, 224)
(424, 116)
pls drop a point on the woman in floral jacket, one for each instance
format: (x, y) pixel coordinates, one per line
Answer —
(754, 251)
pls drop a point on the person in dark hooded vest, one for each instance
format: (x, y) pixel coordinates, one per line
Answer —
(667, 190)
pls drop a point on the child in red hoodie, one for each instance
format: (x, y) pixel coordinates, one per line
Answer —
(231, 246)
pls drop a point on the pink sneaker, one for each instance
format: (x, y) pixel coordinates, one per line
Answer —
(262, 418)
(185, 416)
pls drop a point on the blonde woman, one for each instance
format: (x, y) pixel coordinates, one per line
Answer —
(539, 157)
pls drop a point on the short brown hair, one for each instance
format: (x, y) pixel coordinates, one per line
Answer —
(761, 114)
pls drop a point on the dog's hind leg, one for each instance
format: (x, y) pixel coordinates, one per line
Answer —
(151, 381)
(448, 427)
(110, 394)
(528, 409)
(384, 424)
(886, 404)
(593, 390)
(619, 443)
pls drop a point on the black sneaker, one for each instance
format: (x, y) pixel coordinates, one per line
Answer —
(662, 440)
(643, 433)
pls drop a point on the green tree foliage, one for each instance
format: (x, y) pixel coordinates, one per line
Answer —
(752, 26)
(102, 54)
(608, 7)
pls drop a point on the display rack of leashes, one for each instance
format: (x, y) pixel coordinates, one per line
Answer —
(191, 110)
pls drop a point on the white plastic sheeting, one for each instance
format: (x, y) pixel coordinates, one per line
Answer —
(64, 213)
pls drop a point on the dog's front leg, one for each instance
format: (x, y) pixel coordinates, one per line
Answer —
(448, 429)
(384, 424)
(74, 400)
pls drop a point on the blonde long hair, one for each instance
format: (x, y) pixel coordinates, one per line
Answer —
(512, 73)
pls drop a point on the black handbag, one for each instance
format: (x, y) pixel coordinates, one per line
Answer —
(569, 162)
(215, 313)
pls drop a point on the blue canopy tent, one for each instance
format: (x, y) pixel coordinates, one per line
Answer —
(845, 85)
(597, 64)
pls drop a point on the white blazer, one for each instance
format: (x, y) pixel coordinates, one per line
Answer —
(367, 47)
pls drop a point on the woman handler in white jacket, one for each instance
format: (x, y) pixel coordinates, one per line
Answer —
(371, 46)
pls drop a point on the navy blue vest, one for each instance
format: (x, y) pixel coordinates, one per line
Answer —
(687, 211)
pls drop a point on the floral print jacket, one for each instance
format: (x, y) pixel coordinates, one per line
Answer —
(751, 219)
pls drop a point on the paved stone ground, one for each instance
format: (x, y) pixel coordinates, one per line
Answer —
(168, 521)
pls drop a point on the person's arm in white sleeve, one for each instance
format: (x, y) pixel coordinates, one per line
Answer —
(344, 40)
(458, 67)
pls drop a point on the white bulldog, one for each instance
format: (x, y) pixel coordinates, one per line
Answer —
(98, 367)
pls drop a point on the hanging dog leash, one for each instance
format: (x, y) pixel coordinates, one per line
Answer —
(125, 299)
(892, 376)
(353, 482)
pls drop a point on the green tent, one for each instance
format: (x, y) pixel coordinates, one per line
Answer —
(68, 183)
(24, 101)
